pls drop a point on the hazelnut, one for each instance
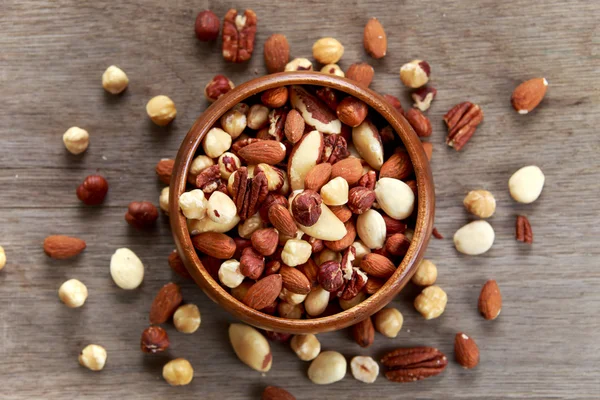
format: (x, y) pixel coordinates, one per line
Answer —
(371, 229)
(361, 251)
(114, 80)
(388, 322)
(93, 357)
(335, 192)
(333, 69)
(327, 50)
(395, 197)
(474, 238)
(348, 304)
(73, 293)
(328, 367)
(221, 208)
(290, 311)
(360, 199)
(163, 200)
(258, 116)
(250, 225)
(306, 207)
(178, 372)
(2, 258)
(423, 97)
(93, 190)
(306, 347)
(193, 204)
(327, 255)
(299, 64)
(351, 111)
(141, 214)
(207, 26)
(480, 203)
(239, 292)
(426, 273)
(216, 142)
(250, 347)
(76, 140)
(230, 274)
(316, 302)
(296, 252)
(187, 318)
(228, 164)
(526, 184)
(126, 269)
(415, 73)
(199, 164)
(291, 297)
(364, 369)
(233, 122)
(161, 110)
(431, 302)
(154, 340)
(252, 263)
(217, 87)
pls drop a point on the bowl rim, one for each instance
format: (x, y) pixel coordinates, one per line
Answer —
(422, 230)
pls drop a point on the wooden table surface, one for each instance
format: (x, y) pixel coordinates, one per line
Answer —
(545, 344)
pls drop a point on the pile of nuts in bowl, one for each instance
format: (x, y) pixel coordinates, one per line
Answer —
(317, 203)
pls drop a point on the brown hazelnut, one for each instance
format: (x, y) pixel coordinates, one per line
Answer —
(154, 340)
(252, 263)
(330, 276)
(141, 214)
(217, 87)
(306, 207)
(360, 199)
(93, 190)
(207, 26)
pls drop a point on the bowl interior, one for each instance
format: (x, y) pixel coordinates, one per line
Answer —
(394, 284)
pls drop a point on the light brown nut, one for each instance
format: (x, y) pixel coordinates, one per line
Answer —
(76, 140)
(217, 87)
(415, 73)
(395, 197)
(346, 241)
(333, 69)
(314, 111)
(335, 192)
(431, 303)
(276, 52)
(207, 26)
(230, 274)
(354, 301)
(328, 367)
(362, 73)
(114, 80)
(264, 151)
(360, 251)
(426, 273)
(73, 293)
(238, 35)
(258, 116)
(375, 39)
(327, 50)
(317, 177)
(343, 213)
(291, 311)
(161, 110)
(252, 263)
(306, 347)
(462, 121)
(154, 340)
(394, 102)
(282, 219)
(397, 244)
(263, 292)
(61, 247)
(296, 252)
(397, 166)
(216, 142)
(290, 297)
(271, 200)
(363, 332)
(214, 244)
(360, 199)
(265, 241)
(276, 393)
(419, 122)
(165, 303)
(178, 372)
(305, 155)
(388, 322)
(199, 164)
(316, 302)
(480, 203)
(423, 97)
(364, 369)
(228, 164)
(240, 291)
(251, 347)
(176, 264)
(490, 300)
(371, 229)
(367, 141)
(93, 357)
(275, 98)
(466, 351)
(294, 280)
(350, 169)
(233, 122)
(310, 270)
(373, 285)
(528, 95)
(294, 126)
(377, 265)
(352, 111)
(299, 64)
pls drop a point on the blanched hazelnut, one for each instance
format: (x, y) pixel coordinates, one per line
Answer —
(296, 252)
(187, 318)
(306, 347)
(480, 203)
(198, 165)
(291, 297)
(526, 184)
(76, 140)
(233, 122)
(348, 304)
(216, 142)
(228, 164)
(316, 302)
(361, 251)
(333, 69)
(415, 73)
(163, 200)
(247, 228)
(327, 50)
(2, 258)
(328, 367)
(431, 303)
(474, 238)
(221, 208)
(197, 226)
(388, 322)
(327, 255)
(161, 110)
(126, 269)
(114, 80)
(290, 311)
(93, 357)
(193, 204)
(371, 229)
(258, 115)
(178, 372)
(335, 192)
(299, 64)
(395, 197)
(73, 293)
(230, 274)
(426, 274)
(364, 369)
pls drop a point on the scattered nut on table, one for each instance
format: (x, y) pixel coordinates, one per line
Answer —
(328, 367)
(299, 64)
(126, 269)
(251, 347)
(327, 50)
(364, 369)
(306, 347)
(2, 257)
(114, 80)
(178, 372)
(388, 322)
(161, 110)
(526, 184)
(431, 303)
(73, 293)
(426, 273)
(187, 318)
(163, 200)
(474, 238)
(480, 203)
(415, 73)
(76, 140)
(93, 357)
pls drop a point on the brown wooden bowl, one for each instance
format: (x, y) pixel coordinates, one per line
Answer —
(422, 232)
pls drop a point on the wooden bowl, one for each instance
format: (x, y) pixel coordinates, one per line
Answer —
(422, 232)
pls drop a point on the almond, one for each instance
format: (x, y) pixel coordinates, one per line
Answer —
(419, 122)
(428, 147)
(61, 247)
(265, 241)
(397, 244)
(362, 73)
(346, 241)
(276, 52)
(294, 280)
(294, 126)
(304, 156)
(314, 111)
(490, 300)
(264, 151)
(276, 393)
(165, 303)
(528, 95)
(317, 177)
(373, 285)
(342, 212)
(374, 39)
(398, 166)
(275, 98)
(164, 169)
(350, 169)
(351, 111)
(214, 244)
(264, 292)
(466, 351)
(377, 265)
(282, 220)
(364, 332)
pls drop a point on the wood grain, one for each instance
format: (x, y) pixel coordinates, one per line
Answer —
(52, 55)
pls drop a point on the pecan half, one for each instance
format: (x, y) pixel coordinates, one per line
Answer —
(524, 232)
(238, 35)
(248, 194)
(413, 363)
(209, 179)
(335, 148)
(462, 120)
